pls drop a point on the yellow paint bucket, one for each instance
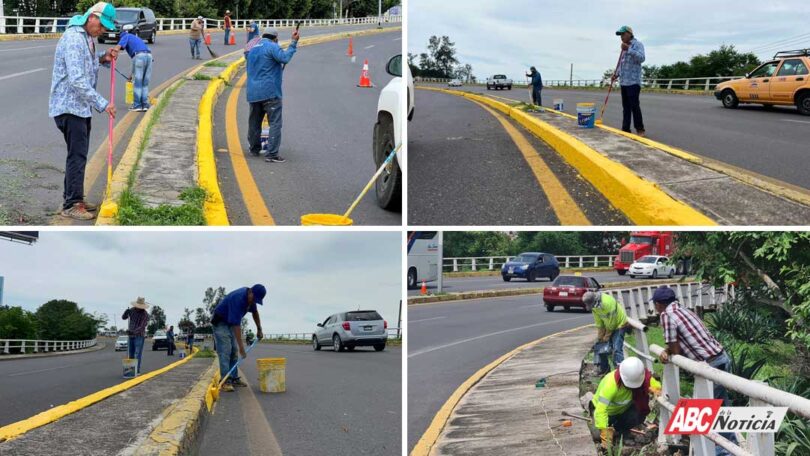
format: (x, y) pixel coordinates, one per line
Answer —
(130, 93)
(325, 220)
(130, 367)
(272, 377)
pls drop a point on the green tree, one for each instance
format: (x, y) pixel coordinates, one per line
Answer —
(17, 323)
(194, 8)
(202, 320)
(61, 319)
(157, 320)
(212, 298)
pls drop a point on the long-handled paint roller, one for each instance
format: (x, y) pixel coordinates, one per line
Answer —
(109, 207)
(344, 220)
(213, 391)
(602, 114)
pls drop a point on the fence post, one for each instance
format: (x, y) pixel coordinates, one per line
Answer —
(669, 86)
(670, 392)
(5, 350)
(22, 347)
(36, 346)
(700, 444)
(686, 85)
(580, 261)
(19, 24)
(610, 261)
(708, 84)
(761, 444)
(455, 265)
(473, 264)
(490, 262)
(596, 261)
(643, 346)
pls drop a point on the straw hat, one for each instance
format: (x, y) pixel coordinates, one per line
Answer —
(140, 303)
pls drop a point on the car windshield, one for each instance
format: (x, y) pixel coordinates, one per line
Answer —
(570, 281)
(126, 15)
(365, 315)
(499, 76)
(523, 258)
(160, 333)
(647, 259)
(122, 338)
(640, 240)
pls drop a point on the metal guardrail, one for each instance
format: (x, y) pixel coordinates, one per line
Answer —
(44, 345)
(493, 262)
(705, 84)
(36, 25)
(393, 333)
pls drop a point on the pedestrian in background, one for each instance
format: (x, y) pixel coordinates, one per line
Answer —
(227, 27)
(537, 86)
(136, 332)
(629, 75)
(170, 341)
(141, 57)
(189, 338)
(253, 31)
(227, 325)
(73, 96)
(195, 37)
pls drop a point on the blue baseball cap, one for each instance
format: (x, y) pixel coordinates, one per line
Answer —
(259, 292)
(665, 295)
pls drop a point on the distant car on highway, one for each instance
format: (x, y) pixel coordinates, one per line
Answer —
(567, 291)
(455, 83)
(121, 343)
(159, 341)
(499, 81)
(388, 134)
(531, 266)
(652, 266)
(783, 81)
(137, 21)
(347, 330)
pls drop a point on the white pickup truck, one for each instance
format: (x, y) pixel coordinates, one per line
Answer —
(499, 81)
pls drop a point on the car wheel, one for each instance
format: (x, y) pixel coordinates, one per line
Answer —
(506, 278)
(488, 88)
(389, 185)
(631, 276)
(530, 277)
(508, 87)
(803, 103)
(655, 274)
(671, 273)
(730, 100)
(566, 308)
(549, 308)
(100, 40)
(412, 278)
(337, 344)
(152, 37)
(315, 343)
(379, 347)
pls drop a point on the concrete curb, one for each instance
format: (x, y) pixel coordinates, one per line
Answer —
(178, 429)
(486, 294)
(495, 273)
(97, 347)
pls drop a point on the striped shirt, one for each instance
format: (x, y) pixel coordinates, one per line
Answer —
(683, 326)
(138, 319)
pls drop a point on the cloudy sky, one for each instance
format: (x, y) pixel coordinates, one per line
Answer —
(309, 275)
(508, 36)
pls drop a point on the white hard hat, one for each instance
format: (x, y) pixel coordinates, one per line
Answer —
(632, 371)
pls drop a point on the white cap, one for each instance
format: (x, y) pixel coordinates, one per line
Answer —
(632, 372)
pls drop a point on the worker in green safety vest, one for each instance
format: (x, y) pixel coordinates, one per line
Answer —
(611, 322)
(622, 400)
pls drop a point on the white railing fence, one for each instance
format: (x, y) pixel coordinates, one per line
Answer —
(393, 333)
(456, 264)
(36, 346)
(36, 25)
(705, 84)
(692, 295)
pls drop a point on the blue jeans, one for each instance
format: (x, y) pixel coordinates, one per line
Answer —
(135, 349)
(227, 35)
(195, 47)
(141, 73)
(272, 109)
(227, 350)
(723, 363)
(617, 346)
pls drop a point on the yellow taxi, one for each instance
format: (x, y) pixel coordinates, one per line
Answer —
(784, 81)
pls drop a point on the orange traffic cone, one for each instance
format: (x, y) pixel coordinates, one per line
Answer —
(424, 288)
(350, 52)
(233, 40)
(364, 79)
(208, 39)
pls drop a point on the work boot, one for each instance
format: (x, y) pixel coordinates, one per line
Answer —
(238, 382)
(78, 212)
(275, 159)
(227, 387)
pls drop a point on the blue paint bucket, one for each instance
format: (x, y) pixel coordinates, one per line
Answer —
(559, 105)
(130, 367)
(586, 115)
(264, 137)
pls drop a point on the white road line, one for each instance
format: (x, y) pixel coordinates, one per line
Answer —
(24, 48)
(425, 319)
(369, 47)
(9, 76)
(40, 370)
(496, 333)
(398, 39)
(797, 121)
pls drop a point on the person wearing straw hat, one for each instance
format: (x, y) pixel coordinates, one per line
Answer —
(227, 26)
(265, 67)
(195, 37)
(227, 324)
(73, 96)
(629, 74)
(138, 319)
(611, 323)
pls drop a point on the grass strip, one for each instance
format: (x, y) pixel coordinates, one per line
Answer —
(216, 63)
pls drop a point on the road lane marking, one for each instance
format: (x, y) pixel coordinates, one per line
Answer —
(425, 319)
(431, 434)
(252, 197)
(565, 208)
(369, 47)
(26, 48)
(22, 73)
(18, 374)
(797, 121)
(484, 336)
(398, 39)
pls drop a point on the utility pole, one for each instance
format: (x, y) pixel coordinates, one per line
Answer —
(441, 261)
(3, 15)
(379, 14)
(399, 321)
(571, 78)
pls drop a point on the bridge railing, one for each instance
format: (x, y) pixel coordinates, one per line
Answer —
(36, 346)
(492, 263)
(704, 84)
(393, 333)
(37, 25)
(695, 296)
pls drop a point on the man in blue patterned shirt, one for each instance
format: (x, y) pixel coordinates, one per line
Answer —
(73, 94)
(630, 79)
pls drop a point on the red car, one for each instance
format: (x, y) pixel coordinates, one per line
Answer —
(567, 291)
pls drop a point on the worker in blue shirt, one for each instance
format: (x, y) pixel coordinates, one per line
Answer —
(253, 31)
(141, 69)
(629, 75)
(265, 66)
(537, 86)
(226, 322)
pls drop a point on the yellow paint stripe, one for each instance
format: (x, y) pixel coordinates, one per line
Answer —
(564, 206)
(214, 207)
(431, 435)
(14, 430)
(254, 202)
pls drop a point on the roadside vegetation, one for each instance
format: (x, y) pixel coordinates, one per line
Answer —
(57, 319)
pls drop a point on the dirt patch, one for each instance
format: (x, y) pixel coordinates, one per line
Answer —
(26, 190)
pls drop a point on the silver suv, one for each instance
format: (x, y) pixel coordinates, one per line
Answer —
(359, 328)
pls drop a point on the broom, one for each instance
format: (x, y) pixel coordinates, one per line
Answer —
(602, 114)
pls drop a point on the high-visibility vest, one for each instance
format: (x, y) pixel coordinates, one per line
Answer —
(610, 315)
(611, 399)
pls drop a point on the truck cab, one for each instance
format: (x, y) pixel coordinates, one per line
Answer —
(642, 243)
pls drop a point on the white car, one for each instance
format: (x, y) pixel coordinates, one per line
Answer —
(388, 134)
(652, 266)
(454, 83)
(121, 343)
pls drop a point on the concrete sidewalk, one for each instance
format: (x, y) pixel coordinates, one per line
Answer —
(117, 425)
(506, 414)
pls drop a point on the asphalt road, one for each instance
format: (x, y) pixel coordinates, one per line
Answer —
(449, 342)
(464, 168)
(31, 386)
(772, 143)
(460, 284)
(347, 403)
(32, 150)
(326, 138)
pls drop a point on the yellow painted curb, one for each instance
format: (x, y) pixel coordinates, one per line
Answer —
(642, 201)
(428, 439)
(181, 421)
(13, 430)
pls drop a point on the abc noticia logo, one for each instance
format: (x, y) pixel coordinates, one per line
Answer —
(700, 416)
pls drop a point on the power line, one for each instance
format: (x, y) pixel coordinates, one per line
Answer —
(779, 43)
